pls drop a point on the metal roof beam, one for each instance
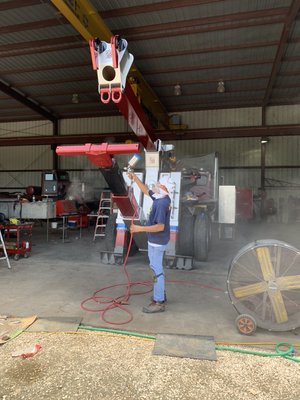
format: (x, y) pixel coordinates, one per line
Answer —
(43, 43)
(188, 68)
(229, 19)
(12, 4)
(154, 7)
(27, 102)
(195, 30)
(46, 67)
(231, 47)
(202, 67)
(211, 28)
(56, 47)
(187, 134)
(289, 22)
(29, 26)
(58, 140)
(206, 20)
(203, 92)
(274, 16)
(213, 80)
(164, 84)
(221, 133)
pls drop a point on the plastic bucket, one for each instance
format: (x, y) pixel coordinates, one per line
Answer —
(72, 224)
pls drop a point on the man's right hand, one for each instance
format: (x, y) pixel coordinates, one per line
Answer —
(135, 228)
(131, 175)
(140, 184)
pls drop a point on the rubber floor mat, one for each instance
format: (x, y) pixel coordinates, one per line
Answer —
(11, 327)
(185, 346)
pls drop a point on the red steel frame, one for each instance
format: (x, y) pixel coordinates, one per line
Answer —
(137, 119)
(98, 154)
(101, 156)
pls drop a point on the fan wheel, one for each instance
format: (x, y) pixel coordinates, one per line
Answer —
(264, 284)
(245, 324)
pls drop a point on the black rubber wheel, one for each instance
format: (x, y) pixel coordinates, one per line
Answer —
(133, 249)
(210, 233)
(201, 237)
(110, 237)
(16, 257)
(185, 234)
(110, 232)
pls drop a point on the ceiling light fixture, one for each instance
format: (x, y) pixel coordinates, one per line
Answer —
(221, 87)
(177, 90)
(75, 98)
(264, 140)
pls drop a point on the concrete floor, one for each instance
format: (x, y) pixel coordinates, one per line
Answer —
(58, 276)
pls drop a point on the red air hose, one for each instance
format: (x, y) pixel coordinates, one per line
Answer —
(109, 302)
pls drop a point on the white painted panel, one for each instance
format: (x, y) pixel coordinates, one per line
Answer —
(227, 196)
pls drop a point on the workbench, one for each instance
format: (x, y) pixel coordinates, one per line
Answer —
(13, 208)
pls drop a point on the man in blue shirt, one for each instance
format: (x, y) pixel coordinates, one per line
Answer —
(158, 231)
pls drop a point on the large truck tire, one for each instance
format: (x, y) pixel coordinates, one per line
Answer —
(201, 237)
(185, 234)
(110, 232)
(110, 236)
(134, 248)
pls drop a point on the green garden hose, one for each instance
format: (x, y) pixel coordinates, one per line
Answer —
(288, 353)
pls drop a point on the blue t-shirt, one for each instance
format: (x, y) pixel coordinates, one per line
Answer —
(160, 214)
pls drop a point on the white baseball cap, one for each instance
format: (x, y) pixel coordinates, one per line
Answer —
(167, 182)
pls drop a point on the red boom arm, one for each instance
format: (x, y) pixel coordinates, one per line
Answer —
(98, 154)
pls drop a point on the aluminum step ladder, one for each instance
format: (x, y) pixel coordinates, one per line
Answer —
(5, 257)
(104, 211)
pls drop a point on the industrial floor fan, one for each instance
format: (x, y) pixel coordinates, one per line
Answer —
(264, 286)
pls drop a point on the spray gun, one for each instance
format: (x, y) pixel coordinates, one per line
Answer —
(132, 163)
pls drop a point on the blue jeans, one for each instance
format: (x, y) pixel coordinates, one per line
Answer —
(156, 255)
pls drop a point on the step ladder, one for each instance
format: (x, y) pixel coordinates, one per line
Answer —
(5, 257)
(104, 211)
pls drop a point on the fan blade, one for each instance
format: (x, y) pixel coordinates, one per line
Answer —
(248, 290)
(288, 282)
(278, 306)
(263, 255)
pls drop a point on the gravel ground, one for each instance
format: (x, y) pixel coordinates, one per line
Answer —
(98, 366)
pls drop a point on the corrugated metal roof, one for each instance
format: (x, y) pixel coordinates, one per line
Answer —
(193, 43)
